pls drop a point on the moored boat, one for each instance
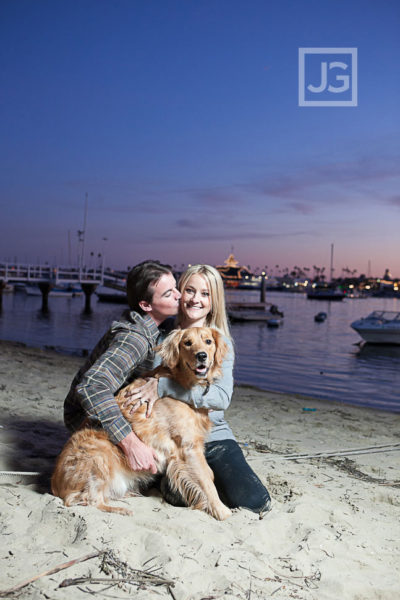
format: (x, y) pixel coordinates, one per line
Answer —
(320, 317)
(255, 311)
(58, 291)
(233, 275)
(380, 327)
(108, 294)
(325, 293)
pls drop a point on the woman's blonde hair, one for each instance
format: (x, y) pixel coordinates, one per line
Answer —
(217, 316)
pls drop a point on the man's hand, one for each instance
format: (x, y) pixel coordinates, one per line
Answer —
(147, 393)
(139, 456)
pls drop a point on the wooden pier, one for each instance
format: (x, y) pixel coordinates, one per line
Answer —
(46, 277)
(255, 311)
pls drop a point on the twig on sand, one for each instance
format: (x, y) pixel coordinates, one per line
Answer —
(172, 593)
(348, 467)
(49, 572)
(277, 590)
(121, 572)
(79, 580)
(308, 580)
(248, 595)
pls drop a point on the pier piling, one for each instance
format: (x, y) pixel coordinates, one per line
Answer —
(88, 289)
(45, 288)
(262, 292)
(2, 286)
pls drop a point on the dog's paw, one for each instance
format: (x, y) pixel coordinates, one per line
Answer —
(222, 512)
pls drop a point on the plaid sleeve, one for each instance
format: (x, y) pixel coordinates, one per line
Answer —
(106, 376)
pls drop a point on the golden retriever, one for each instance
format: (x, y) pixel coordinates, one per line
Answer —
(91, 469)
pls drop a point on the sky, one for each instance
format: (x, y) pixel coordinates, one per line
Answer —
(180, 120)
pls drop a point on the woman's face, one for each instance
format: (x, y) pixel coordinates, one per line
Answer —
(196, 299)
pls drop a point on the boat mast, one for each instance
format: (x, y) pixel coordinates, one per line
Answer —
(69, 247)
(84, 229)
(331, 277)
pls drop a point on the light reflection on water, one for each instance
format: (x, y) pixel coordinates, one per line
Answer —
(302, 356)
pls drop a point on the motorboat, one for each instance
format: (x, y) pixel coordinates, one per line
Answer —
(380, 327)
(255, 311)
(325, 293)
(320, 317)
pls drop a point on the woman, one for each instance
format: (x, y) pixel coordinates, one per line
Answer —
(203, 304)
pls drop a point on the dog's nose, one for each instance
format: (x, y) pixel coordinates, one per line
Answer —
(201, 356)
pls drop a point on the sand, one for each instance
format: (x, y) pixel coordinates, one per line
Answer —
(333, 531)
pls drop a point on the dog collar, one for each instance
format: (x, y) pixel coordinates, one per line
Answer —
(206, 389)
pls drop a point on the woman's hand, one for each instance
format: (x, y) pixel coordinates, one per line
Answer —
(147, 393)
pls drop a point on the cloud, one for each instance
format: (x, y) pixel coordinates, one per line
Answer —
(222, 236)
(301, 189)
(188, 224)
(228, 195)
(314, 178)
(394, 201)
(302, 208)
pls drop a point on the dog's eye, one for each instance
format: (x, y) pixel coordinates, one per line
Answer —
(208, 342)
(187, 343)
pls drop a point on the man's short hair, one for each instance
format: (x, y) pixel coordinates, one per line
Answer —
(140, 282)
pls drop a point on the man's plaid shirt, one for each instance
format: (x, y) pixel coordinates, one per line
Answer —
(124, 353)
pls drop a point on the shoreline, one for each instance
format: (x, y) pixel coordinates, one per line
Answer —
(84, 353)
(333, 531)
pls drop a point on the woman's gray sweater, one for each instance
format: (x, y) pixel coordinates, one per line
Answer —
(217, 399)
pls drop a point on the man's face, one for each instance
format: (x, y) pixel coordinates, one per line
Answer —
(165, 302)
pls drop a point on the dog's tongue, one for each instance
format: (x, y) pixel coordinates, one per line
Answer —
(201, 369)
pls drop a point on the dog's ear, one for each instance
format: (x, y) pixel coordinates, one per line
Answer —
(169, 349)
(221, 348)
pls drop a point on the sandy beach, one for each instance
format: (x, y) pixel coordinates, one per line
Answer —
(333, 531)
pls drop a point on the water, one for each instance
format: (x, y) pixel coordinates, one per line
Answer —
(319, 360)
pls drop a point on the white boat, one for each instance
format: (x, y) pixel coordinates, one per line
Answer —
(380, 327)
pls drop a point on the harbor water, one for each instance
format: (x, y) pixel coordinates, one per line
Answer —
(321, 360)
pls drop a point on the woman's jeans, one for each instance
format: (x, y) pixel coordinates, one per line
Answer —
(236, 482)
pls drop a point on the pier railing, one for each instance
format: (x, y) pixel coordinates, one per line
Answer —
(15, 272)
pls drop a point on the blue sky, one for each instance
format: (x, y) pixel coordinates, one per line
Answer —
(180, 119)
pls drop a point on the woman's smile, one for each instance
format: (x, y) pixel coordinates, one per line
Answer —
(195, 301)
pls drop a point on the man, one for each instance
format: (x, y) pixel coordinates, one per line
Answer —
(124, 353)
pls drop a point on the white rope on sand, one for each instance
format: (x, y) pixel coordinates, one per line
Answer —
(347, 452)
(18, 476)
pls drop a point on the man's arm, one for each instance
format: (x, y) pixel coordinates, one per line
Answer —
(137, 454)
(98, 386)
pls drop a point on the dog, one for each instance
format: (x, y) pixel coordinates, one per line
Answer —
(91, 469)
